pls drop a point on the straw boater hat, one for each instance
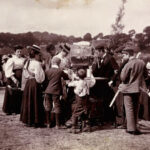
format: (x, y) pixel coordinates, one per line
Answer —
(65, 47)
(34, 47)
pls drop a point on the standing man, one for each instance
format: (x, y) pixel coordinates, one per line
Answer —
(132, 77)
(104, 66)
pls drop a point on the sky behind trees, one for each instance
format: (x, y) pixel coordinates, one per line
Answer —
(71, 17)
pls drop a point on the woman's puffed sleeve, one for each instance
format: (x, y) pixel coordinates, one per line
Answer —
(39, 73)
(9, 68)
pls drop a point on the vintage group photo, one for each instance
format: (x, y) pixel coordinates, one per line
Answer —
(74, 75)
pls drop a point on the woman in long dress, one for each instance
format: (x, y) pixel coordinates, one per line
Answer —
(32, 110)
(13, 73)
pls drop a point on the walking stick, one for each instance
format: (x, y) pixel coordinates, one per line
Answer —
(114, 98)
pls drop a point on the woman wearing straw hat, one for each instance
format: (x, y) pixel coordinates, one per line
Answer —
(32, 109)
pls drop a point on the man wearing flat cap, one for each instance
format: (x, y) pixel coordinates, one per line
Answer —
(132, 77)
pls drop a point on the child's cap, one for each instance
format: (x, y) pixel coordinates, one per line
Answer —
(81, 73)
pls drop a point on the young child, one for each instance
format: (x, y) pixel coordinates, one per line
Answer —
(54, 91)
(81, 90)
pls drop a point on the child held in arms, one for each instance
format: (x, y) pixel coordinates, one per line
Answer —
(81, 90)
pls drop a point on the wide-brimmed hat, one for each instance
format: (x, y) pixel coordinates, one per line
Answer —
(65, 47)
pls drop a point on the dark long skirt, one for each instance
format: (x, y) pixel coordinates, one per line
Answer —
(13, 95)
(103, 94)
(32, 109)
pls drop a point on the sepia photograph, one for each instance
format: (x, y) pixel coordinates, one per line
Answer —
(74, 75)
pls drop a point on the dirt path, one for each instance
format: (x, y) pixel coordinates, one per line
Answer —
(15, 136)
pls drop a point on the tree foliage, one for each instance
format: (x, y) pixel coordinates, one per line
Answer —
(87, 37)
(8, 40)
(118, 27)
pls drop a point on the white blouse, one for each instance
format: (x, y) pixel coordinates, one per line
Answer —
(34, 70)
(13, 63)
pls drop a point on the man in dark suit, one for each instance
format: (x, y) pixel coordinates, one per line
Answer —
(132, 77)
(104, 66)
(54, 91)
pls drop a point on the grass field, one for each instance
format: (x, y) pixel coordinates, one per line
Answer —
(16, 136)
